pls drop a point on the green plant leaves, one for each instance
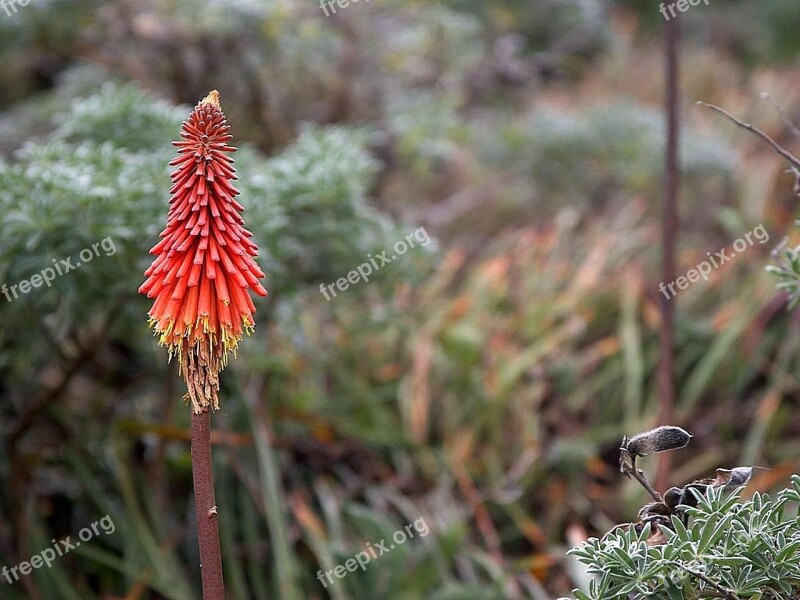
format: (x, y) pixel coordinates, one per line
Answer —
(751, 548)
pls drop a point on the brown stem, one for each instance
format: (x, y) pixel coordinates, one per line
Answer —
(627, 466)
(206, 508)
(669, 233)
(639, 476)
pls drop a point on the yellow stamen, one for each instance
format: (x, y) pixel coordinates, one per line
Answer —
(212, 98)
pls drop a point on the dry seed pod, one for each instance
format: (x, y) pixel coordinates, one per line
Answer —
(654, 509)
(734, 478)
(689, 497)
(657, 525)
(672, 497)
(666, 437)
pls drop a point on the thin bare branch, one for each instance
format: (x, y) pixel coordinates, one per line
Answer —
(795, 162)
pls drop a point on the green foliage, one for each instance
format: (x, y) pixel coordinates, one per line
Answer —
(126, 117)
(546, 23)
(40, 34)
(787, 270)
(309, 206)
(780, 22)
(427, 129)
(749, 548)
(600, 152)
(96, 180)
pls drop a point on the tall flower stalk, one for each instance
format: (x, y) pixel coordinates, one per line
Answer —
(201, 280)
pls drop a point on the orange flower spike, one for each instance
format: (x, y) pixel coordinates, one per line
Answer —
(204, 263)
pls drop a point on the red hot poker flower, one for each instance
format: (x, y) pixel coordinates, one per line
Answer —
(204, 265)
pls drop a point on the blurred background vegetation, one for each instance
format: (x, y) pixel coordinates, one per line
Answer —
(483, 382)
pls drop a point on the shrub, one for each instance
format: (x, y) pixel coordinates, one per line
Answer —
(700, 541)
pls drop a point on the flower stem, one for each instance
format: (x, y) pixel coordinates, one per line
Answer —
(206, 508)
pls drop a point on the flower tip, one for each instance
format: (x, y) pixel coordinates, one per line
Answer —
(212, 98)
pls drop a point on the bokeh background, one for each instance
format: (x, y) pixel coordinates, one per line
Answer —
(482, 382)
